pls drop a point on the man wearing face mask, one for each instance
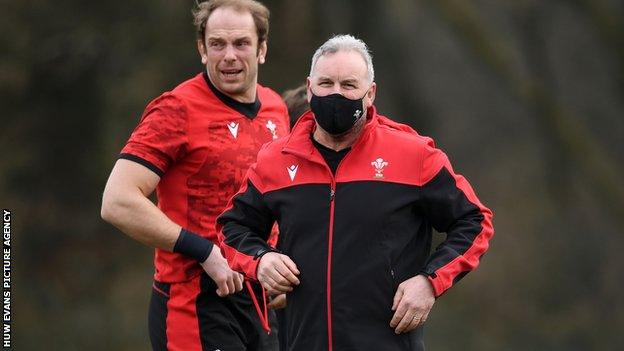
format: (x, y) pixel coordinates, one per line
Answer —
(355, 196)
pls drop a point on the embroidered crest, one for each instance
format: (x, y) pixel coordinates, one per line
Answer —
(272, 128)
(379, 165)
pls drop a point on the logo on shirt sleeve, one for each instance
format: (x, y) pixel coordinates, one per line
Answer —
(272, 128)
(292, 171)
(233, 127)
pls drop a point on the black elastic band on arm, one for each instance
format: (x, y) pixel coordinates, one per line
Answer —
(142, 161)
(193, 245)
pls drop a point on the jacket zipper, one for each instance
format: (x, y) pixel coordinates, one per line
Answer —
(332, 195)
(332, 198)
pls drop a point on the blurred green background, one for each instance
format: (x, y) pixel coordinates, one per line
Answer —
(526, 97)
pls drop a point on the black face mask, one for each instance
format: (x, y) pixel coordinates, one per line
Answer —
(335, 113)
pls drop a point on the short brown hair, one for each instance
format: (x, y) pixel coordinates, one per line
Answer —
(258, 11)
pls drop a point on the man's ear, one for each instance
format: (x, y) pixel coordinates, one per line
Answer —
(370, 95)
(309, 88)
(201, 48)
(262, 52)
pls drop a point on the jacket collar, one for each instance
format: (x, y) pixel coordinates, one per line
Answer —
(299, 141)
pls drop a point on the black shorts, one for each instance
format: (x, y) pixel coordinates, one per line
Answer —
(190, 316)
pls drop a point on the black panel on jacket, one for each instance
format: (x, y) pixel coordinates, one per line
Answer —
(379, 241)
(303, 237)
(376, 230)
(436, 196)
(249, 211)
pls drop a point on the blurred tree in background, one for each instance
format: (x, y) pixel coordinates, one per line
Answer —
(525, 96)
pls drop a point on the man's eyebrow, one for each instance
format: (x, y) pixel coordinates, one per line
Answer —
(242, 40)
(324, 78)
(219, 37)
(349, 81)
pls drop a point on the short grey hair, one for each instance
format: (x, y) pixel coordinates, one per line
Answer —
(345, 42)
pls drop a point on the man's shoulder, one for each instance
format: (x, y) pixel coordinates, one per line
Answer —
(272, 149)
(267, 92)
(269, 96)
(402, 133)
(200, 101)
(189, 88)
(179, 94)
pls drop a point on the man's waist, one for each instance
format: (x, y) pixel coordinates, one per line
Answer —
(171, 267)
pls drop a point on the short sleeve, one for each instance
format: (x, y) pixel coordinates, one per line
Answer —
(161, 136)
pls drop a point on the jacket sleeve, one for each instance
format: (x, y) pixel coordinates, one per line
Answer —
(450, 204)
(244, 227)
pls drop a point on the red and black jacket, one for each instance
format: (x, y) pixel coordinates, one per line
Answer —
(356, 235)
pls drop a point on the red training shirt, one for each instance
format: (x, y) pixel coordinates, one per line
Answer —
(201, 143)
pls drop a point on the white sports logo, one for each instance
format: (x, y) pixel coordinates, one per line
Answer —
(379, 165)
(233, 127)
(272, 128)
(292, 171)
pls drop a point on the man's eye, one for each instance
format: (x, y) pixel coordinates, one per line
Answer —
(325, 84)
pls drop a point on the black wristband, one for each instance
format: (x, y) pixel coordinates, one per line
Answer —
(193, 245)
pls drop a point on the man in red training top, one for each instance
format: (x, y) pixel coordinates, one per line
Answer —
(193, 145)
(355, 196)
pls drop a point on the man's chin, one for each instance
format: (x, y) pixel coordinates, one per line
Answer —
(233, 90)
(230, 87)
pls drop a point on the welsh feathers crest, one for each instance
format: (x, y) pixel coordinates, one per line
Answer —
(379, 165)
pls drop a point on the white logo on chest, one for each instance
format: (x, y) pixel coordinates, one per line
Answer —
(272, 128)
(292, 171)
(379, 165)
(233, 127)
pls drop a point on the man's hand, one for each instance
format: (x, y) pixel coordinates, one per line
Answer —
(278, 302)
(277, 273)
(412, 303)
(227, 280)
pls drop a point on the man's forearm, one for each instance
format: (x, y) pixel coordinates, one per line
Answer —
(139, 218)
(125, 204)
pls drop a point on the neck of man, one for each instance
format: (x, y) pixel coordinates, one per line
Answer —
(248, 96)
(342, 141)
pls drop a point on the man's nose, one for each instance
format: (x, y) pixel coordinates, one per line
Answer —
(336, 89)
(230, 53)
